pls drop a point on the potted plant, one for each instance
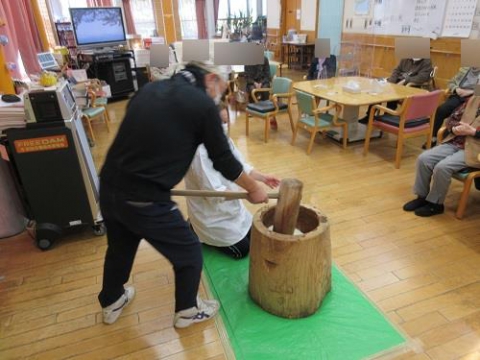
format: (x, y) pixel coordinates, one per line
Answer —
(239, 26)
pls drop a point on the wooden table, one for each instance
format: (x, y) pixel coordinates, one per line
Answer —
(371, 92)
(297, 55)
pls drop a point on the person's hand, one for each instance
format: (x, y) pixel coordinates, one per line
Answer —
(464, 130)
(257, 85)
(257, 196)
(224, 116)
(463, 92)
(271, 181)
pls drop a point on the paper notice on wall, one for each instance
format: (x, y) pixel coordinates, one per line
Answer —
(308, 15)
(362, 7)
(459, 18)
(273, 14)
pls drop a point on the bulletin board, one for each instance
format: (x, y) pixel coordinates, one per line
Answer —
(425, 18)
(409, 17)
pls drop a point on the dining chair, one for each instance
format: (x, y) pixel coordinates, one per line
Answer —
(93, 112)
(414, 118)
(100, 99)
(273, 71)
(467, 176)
(315, 120)
(234, 95)
(279, 102)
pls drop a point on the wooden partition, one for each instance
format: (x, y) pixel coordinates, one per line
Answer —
(375, 55)
(167, 20)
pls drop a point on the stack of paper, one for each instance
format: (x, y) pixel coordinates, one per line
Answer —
(12, 115)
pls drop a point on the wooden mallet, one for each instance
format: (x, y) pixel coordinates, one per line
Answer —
(231, 195)
(286, 211)
(288, 206)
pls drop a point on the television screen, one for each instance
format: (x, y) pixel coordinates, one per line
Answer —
(98, 26)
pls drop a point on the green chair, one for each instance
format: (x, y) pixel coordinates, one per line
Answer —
(279, 102)
(94, 111)
(273, 71)
(315, 120)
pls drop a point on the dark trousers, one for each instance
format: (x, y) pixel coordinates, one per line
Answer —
(239, 250)
(163, 226)
(445, 110)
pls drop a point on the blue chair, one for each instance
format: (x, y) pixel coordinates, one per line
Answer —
(315, 120)
(279, 102)
(273, 71)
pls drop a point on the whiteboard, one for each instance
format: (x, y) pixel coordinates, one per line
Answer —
(409, 17)
(273, 14)
(309, 15)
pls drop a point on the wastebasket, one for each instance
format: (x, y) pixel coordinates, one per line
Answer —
(12, 219)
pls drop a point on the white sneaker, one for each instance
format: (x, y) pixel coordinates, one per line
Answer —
(205, 310)
(112, 312)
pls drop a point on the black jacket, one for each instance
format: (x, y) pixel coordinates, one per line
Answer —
(163, 126)
(258, 73)
(330, 65)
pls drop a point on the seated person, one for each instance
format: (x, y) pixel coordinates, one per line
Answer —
(322, 68)
(460, 87)
(256, 77)
(409, 71)
(218, 222)
(415, 71)
(435, 167)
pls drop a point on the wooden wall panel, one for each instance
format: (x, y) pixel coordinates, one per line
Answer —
(376, 55)
(287, 20)
(160, 25)
(167, 20)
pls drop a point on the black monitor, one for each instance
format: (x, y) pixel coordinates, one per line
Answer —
(98, 27)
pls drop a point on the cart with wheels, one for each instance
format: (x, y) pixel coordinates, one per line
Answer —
(56, 170)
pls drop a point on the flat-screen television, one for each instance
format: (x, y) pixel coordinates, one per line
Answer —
(98, 26)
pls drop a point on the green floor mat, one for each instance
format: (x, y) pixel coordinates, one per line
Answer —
(347, 326)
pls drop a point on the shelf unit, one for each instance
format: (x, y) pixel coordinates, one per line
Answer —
(66, 38)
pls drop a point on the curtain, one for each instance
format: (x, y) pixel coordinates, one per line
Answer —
(24, 41)
(99, 3)
(215, 11)
(130, 24)
(201, 23)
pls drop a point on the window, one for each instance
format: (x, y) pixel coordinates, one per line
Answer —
(230, 8)
(188, 19)
(60, 8)
(143, 16)
(47, 24)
